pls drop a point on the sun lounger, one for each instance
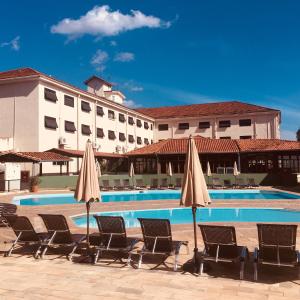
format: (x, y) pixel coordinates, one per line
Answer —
(227, 184)
(25, 233)
(112, 238)
(240, 183)
(216, 183)
(154, 183)
(60, 235)
(117, 185)
(251, 183)
(277, 246)
(139, 184)
(164, 183)
(220, 245)
(158, 241)
(6, 209)
(105, 185)
(126, 185)
(178, 183)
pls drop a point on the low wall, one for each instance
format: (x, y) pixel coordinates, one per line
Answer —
(57, 182)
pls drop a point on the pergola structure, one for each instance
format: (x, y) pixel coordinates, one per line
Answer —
(36, 158)
(251, 156)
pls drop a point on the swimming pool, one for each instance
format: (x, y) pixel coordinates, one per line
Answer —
(123, 196)
(184, 215)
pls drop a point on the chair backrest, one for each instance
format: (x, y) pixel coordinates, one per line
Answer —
(239, 181)
(21, 224)
(164, 182)
(157, 234)
(117, 182)
(251, 181)
(139, 182)
(219, 240)
(126, 182)
(179, 182)
(105, 182)
(6, 209)
(112, 231)
(154, 182)
(216, 181)
(227, 182)
(277, 242)
(58, 224)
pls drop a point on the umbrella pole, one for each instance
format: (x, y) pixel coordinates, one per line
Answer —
(196, 262)
(88, 205)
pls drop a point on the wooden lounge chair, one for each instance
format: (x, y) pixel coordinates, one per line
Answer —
(178, 183)
(240, 183)
(220, 245)
(139, 184)
(277, 246)
(6, 209)
(25, 233)
(158, 241)
(227, 184)
(60, 235)
(154, 183)
(117, 185)
(216, 183)
(112, 238)
(251, 183)
(164, 183)
(105, 185)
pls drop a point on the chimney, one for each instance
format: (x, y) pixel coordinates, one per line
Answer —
(98, 86)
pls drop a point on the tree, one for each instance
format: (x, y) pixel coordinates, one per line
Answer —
(298, 135)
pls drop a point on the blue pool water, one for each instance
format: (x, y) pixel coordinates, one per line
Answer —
(184, 215)
(55, 199)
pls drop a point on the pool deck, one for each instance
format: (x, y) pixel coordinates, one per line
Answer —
(22, 277)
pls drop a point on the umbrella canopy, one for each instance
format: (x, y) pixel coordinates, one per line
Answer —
(98, 167)
(131, 171)
(169, 169)
(87, 188)
(208, 170)
(235, 169)
(194, 189)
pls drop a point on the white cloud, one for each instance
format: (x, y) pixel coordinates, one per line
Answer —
(124, 56)
(14, 44)
(131, 104)
(99, 59)
(132, 86)
(102, 21)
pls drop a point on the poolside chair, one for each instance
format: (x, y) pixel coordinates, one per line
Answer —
(154, 183)
(126, 185)
(6, 209)
(216, 183)
(220, 245)
(139, 184)
(178, 183)
(277, 246)
(227, 184)
(117, 185)
(60, 235)
(112, 238)
(25, 233)
(158, 241)
(240, 183)
(251, 183)
(164, 183)
(105, 185)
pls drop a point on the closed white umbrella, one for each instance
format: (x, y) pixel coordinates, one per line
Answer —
(98, 167)
(169, 171)
(194, 189)
(131, 173)
(87, 188)
(208, 170)
(235, 169)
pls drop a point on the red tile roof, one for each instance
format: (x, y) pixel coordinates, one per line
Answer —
(205, 109)
(23, 72)
(79, 153)
(207, 145)
(10, 156)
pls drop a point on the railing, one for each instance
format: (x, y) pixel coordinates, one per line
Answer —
(12, 185)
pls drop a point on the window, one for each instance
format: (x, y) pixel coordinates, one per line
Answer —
(151, 126)
(100, 111)
(163, 127)
(69, 101)
(183, 126)
(111, 114)
(130, 121)
(70, 126)
(122, 137)
(100, 133)
(50, 95)
(151, 141)
(146, 125)
(245, 137)
(85, 106)
(130, 138)
(245, 122)
(59, 163)
(111, 135)
(122, 118)
(138, 123)
(139, 140)
(204, 125)
(85, 129)
(225, 138)
(146, 141)
(224, 124)
(50, 123)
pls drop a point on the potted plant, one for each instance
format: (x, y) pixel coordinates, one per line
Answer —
(34, 184)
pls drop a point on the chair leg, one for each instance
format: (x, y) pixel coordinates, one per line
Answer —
(255, 271)
(8, 253)
(70, 255)
(128, 259)
(44, 252)
(37, 253)
(140, 261)
(96, 256)
(201, 267)
(176, 262)
(242, 268)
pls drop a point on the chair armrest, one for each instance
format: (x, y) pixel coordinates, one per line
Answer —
(255, 254)
(244, 253)
(298, 256)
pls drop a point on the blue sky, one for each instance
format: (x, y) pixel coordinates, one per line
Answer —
(165, 52)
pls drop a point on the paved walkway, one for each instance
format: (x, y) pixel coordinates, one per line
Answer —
(22, 277)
